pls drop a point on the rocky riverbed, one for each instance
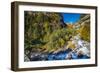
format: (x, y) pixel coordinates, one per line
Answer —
(81, 50)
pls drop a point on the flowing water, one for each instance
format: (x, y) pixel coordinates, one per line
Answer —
(82, 51)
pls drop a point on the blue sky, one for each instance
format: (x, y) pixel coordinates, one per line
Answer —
(70, 17)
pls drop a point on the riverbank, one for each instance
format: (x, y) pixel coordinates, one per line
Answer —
(75, 48)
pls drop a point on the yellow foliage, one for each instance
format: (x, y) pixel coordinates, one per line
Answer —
(69, 26)
(71, 45)
(85, 32)
(62, 42)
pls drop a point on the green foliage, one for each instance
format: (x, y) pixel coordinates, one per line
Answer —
(44, 30)
(85, 32)
(38, 27)
(58, 38)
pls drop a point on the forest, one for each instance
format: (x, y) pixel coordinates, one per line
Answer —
(48, 37)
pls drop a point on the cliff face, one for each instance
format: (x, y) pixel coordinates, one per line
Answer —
(85, 28)
(39, 26)
(85, 18)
